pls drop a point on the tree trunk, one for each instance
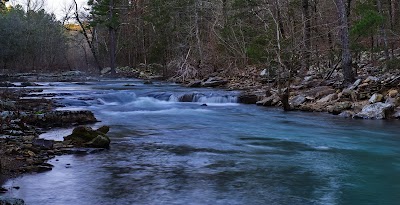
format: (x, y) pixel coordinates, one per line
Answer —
(85, 34)
(344, 38)
(382, 29)
(111, 31)
(307, 36)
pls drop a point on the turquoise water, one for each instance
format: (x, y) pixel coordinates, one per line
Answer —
(168, 152)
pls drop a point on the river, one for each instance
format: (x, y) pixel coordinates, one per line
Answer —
(168, 152)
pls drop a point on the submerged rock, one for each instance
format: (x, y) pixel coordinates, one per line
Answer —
(376, 111)
(83, 136)
(11, 201)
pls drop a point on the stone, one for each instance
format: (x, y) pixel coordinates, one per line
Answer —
(105, 70)
(83, 136)
(297, 100)
(346, 114)
(104, 129)
(188, 97)
(328, 98)
(147, 82)
(269, 101)
(214, 82)
(101, 141)
(376, 111)
(375, 98)
(340, 107)
(248, 98)
(263, 73)
(371, 78)
(355, 84)
(393, 93)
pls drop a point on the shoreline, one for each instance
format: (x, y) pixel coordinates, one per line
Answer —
(22, 121)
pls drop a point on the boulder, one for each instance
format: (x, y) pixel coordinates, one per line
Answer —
(376, 111)
(83, 136)
(328, 98)
(393, 93)
(248, 98)
(340, 107)
(186, 97)
(297, 100)
(214, 82)
(269, 101)
(105, 70)
(101, 141)
(375, 98)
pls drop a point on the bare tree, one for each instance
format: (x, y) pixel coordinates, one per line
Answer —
(344, 38)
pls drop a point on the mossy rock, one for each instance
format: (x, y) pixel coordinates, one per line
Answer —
(83, 136)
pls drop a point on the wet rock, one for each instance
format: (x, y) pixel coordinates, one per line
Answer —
(297, 100)
(11, 201)
(186, 97)
(248, 98)
(83, 136)
(104, 129)
(347, 114)
(214, 82)
(339, 107)
(101, 141)
(376, 111)
(375, 98)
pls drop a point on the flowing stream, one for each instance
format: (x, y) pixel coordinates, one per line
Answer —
(169, 148)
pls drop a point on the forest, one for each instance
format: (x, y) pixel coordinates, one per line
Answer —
(192, 38)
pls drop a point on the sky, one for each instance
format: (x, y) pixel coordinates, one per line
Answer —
(53, 6)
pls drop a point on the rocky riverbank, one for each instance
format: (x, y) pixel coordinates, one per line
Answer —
(373, 95)
(22, 120)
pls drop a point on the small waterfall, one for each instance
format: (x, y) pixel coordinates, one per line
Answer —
(208, 98)
(196, 97)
